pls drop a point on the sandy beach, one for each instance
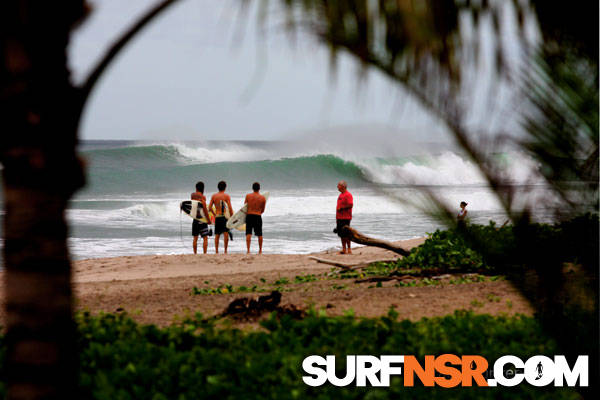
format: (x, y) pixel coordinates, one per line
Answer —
(159, 289)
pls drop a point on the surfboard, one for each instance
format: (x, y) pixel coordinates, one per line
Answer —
(238, 220)
(193, 209)
(223, 206)
(227, 214)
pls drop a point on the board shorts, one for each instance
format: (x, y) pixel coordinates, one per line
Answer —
(340, 223)
(254, 222)
(220, 227)
(199, 228)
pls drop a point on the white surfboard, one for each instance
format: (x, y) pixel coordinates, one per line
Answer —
(239, 218)
(193, 209)
(224, 207)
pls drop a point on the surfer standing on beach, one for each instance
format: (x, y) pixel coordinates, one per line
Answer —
(200, 228)
(256, 206)
(221, 200)
(343, 215)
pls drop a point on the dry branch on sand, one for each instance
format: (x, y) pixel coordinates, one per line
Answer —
(360, 238)
(349, 267)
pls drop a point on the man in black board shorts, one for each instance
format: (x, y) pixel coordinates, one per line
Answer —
(200, 228)
(256, 206)
(221, 200)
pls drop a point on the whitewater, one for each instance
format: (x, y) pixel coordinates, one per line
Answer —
(130, 205)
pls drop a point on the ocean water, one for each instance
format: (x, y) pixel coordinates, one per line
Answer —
(130, 203)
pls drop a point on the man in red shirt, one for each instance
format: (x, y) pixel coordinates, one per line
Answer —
(343, 215)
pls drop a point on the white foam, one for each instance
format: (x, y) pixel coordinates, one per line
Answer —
(99, 248)
(450, 169)
(116, 247)
(236, 152)
(167, 213)
(299, 207)
(230, 153)
(143, 214)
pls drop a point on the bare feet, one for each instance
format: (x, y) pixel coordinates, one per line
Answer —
(349, 251)
(342, 252)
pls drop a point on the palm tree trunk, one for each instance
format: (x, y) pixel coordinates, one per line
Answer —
(40, 111)
(41, 355)
(40, 173)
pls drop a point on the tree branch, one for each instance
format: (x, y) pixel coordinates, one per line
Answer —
(359, 238)
(349, 267)
(116, 47)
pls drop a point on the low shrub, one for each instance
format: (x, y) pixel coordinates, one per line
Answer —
(446, 251)
(488, 248)
(121, 359)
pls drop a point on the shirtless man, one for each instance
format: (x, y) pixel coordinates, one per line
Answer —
(220, 201)
(200, 228)
(256, 206)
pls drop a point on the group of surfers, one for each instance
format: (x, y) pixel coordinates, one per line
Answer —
(222, 208)
(256, 207)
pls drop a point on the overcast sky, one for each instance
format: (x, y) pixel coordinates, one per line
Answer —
(201, 71)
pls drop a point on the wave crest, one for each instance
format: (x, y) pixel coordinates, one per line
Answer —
(161, 168)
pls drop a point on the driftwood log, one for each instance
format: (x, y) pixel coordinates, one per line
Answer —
(348, 267)
(359, 238)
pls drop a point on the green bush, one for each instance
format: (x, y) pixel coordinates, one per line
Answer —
(121, 359)
(487, 248)
(580, 240)
(446, 251)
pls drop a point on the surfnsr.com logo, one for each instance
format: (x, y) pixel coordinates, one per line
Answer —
(447, 370)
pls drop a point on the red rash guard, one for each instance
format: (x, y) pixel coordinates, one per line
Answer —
(344, 200)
